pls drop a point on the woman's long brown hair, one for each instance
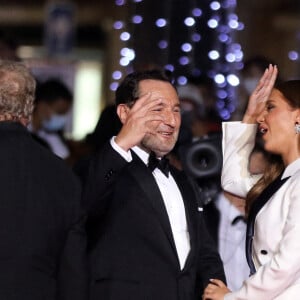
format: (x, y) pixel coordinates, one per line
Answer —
(291, 92)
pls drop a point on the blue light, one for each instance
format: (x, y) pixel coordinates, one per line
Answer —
(230, 57)
(233, 80)
(220, 104)
(116, 75)
(124, 61)
(182, 80)
(189, 21)
(293, 55)
(196, 37)
(161, 22)
(212, 23)
(197, 12)
(215, 5)
(186, 47)
(233, 24)
(222, 94)
(223, 37)
(137, 19)
(120, 2)
(225, 115)
(113, 86)
(128, 53)
(124, 36)
(184, 60)
(163, 44)
(169, 67)
(118, 25)
(213, 54)
(219, 78)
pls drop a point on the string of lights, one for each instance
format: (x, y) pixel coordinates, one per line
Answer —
(186, 37)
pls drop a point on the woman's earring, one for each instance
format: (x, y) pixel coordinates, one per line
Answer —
(297, 128)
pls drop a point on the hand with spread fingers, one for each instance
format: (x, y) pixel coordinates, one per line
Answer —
(260, 95)
(138, 120)
(216, 290)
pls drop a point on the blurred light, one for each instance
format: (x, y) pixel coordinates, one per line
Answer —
(233, 24)
(116, 75)
(137, 1)
(182, 80)
(189, 21)
(230, 57)
(120, 2)
(222, 95)
(196, 37)
(124, 36)
(223, 37)
(186, 47)
(233, 17)
(224, 113)
(137, 19)
(163, 44)
(161, 22)
(113, 86)
(197, 12)
(184, 60)
(220, 104)
(215, 5)
(293, 55)
(169, 68)
(129, 53)
(241, 26)
(233, 80)
(118, 25)
(124, 61)
(219, 78)
(213, 54)
(212, 23)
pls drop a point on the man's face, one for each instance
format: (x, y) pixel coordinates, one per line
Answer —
(164, 133)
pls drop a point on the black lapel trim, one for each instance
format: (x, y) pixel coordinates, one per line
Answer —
(262, 199)
(146, 181)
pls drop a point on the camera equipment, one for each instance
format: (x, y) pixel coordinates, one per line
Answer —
(202, 160)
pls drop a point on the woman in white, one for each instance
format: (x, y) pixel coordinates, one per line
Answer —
(275, 112)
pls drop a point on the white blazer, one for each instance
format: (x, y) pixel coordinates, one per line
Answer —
(276, 241)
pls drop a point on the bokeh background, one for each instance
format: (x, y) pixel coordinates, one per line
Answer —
(93, 44)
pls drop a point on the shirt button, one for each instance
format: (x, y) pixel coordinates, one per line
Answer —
(264, 252)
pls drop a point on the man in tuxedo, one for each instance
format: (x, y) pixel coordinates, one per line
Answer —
(42, 236)
(147, 238)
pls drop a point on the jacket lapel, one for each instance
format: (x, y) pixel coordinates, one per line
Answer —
(146, 181)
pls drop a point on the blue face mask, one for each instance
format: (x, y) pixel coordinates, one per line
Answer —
(56, 122)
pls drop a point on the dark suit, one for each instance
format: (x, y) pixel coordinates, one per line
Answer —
(132, 250)
(42, 241)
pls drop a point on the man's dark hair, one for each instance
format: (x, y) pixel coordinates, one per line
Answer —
(127, 92)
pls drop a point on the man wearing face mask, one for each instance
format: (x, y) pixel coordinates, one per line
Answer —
(53, 102)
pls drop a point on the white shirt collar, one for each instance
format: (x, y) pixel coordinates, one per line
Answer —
(143, 155)
(292, 168)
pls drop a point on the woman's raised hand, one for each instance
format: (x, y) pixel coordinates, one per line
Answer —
(260, 95)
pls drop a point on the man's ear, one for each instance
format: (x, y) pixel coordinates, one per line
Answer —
(122, 111)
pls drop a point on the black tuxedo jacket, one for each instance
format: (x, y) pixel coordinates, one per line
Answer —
(42, 238)
(132, 250)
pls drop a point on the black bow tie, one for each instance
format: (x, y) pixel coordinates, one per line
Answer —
(237, 219)
(162, 164)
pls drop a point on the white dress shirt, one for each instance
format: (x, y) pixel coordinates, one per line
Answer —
(173, 202)
(232, 243)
